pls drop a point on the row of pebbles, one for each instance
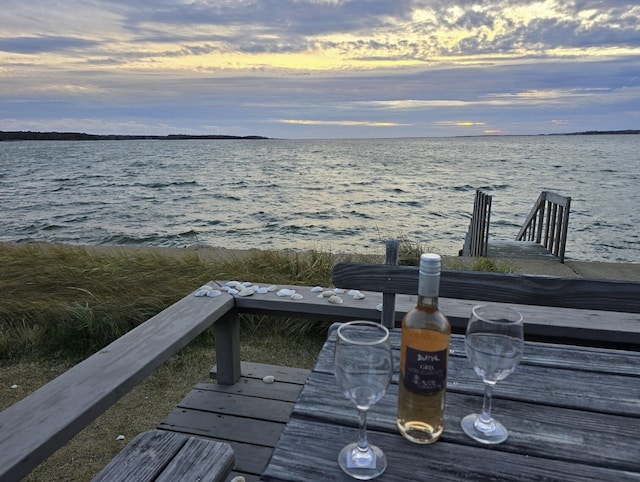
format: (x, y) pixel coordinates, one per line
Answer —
(332, 295)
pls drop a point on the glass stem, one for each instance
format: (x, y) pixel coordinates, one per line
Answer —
(485, 417)
(363, 444)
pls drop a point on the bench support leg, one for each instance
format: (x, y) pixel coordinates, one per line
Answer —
(227, 337)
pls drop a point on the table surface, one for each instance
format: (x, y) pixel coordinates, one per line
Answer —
(573, 414)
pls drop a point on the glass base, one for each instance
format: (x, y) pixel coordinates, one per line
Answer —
(362, 465)
(487, 433)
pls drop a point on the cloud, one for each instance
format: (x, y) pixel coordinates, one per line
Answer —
(43, 44)
(315, 66)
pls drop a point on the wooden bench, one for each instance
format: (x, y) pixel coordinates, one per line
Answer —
(160, 456)
(582, 311)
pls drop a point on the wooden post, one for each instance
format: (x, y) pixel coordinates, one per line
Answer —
(389, 299)
(227, 336)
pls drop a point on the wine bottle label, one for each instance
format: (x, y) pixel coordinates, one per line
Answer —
(425, 371)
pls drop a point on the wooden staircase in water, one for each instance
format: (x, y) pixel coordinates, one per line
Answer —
(542, 236)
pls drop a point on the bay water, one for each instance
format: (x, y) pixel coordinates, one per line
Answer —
(333, 195)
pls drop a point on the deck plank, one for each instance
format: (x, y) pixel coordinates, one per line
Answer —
(249, 415)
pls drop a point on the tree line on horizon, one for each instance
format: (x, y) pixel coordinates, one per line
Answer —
(81, 136)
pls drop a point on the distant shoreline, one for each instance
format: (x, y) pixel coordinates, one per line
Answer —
(80, 136)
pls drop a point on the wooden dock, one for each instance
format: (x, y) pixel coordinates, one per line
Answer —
(249, 415)
(519, 250)
(543, 236)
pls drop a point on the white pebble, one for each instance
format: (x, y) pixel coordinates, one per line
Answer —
(262, 290)
(204, 291)
(353, 292)
(269, 379)
(379, 307)
(335, 299)
(246, 292)
(214, 293)
(285, 292)
(233, 291)
(234, 284)
(338, 291)
(358, 296)
(14, 386)
(272, 288)
(328, 293)
(120, 437)
(246, 284)
(317, 289)
(296, 296)
(238, 478)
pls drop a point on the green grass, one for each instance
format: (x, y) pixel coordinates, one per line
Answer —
(68, 302)
(59, 304)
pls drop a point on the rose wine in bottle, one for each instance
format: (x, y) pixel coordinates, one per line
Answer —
(423, 360)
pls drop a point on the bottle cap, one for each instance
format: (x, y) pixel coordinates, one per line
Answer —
(430, 264)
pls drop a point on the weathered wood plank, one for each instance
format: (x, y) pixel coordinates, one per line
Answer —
(580, 411)
(210, 424)
(251, 459)
(159, 456)
(242, 404)
(533, 382)
(536, 428)
(579, 358)
(540, 384)
(505, 288)
(564, 324)
(35, 427)
(566, 423)
(201, 460)
(307, 446)
(250, 399)
(498, 248)
(260, 370)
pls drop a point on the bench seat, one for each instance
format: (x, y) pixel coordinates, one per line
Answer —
(161, 456)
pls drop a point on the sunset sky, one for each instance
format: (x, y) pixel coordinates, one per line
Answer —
(320, 68)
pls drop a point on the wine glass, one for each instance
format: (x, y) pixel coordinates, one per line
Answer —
(494, 343)
(363, 368)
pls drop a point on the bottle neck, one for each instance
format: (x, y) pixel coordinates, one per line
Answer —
(428, 301)
(428, 290)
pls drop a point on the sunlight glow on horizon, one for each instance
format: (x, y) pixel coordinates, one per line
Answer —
(340, 123)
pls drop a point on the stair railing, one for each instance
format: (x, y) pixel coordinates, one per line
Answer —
(547, 223)
(477, 238)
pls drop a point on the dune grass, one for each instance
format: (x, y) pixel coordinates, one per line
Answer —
(59, 304)
(68, 302)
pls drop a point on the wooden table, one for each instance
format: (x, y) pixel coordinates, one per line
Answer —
(573, 414)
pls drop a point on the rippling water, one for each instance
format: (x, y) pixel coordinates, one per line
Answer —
(339, 195)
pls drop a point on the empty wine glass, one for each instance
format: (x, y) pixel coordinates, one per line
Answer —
(363, 368)
(494, 343)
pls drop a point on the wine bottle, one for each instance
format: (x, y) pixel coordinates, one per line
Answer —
(424, 356)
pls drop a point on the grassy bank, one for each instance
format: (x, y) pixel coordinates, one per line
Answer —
(59, 304)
